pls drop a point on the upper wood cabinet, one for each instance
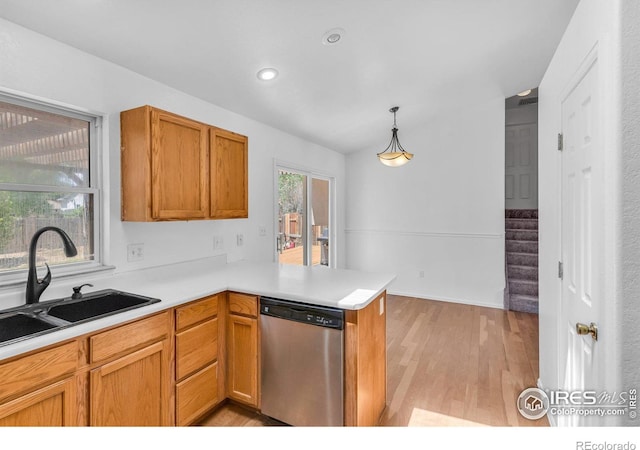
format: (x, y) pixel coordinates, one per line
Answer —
(175, 168)
(229, 160)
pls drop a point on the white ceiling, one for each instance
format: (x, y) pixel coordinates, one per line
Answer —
(422, 55)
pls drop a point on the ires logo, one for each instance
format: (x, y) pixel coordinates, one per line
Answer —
(533, 403)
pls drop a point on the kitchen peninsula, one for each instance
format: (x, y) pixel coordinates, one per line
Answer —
(193, 350)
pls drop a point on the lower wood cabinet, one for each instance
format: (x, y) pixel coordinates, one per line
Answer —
(39, 389)
(242, 349)
(131, 391)
(173, 367)
(196, 395)
(196, 353)
(366, 363)
(129, 384)
(51, 406)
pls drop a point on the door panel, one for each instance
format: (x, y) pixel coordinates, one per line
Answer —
(582, 237)
(521, 166)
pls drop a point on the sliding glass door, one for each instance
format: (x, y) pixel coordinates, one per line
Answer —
(304, 218)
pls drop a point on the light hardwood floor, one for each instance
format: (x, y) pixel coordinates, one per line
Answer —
(448, 365)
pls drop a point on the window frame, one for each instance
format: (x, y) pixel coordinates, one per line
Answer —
(18, 276)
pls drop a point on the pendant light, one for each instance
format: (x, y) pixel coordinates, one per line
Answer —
(394, 155)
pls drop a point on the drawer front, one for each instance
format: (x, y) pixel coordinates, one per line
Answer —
(196, 347)
(118, 340)
(246, 305)
(26, 373)
(196, 394)
(196, 312)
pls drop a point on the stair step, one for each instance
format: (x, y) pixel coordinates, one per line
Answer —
(526, 287)
(521, 235)
(523, 303)
(522, 246)
(522, 272)
(522, 259)
(521, 224)
(521, 213)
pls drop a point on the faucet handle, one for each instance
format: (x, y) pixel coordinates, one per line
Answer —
(76, 290)
(46, 279)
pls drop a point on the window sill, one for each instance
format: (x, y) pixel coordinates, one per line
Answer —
(19, 278)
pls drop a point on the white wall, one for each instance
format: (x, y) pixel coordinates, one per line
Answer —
(35, 65)
(630, 229)
(595, 24)
(441, 214)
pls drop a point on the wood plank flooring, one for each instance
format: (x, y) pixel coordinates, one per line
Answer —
(447, 364)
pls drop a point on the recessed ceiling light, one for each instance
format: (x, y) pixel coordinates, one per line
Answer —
(524, 93)
(267, 74)
(333, 36)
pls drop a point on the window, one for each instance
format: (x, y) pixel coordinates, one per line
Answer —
(48, 177)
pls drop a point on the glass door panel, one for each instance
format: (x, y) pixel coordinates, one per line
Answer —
(292, 226)
(319, 222)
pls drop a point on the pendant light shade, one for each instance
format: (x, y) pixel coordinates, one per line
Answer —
(394, 155)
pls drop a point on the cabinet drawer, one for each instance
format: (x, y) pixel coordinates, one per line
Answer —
(196, 347)
(246, 305)
(196, 394)
(196, 312)
(120, 339)
(28, 372)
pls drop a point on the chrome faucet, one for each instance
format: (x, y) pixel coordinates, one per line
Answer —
(36, 287)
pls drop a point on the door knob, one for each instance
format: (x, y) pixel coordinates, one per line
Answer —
(591, 329)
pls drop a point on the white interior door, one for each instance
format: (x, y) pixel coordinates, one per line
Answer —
(582, 237)
(521, 166)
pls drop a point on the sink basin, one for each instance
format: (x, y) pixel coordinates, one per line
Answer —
(99, 304)
(18, 326)
(40, 318)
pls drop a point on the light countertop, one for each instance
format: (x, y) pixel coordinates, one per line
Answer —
(180, 283)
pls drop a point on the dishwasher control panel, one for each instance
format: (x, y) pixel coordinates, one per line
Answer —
(300, 312)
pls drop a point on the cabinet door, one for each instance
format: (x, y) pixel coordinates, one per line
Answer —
(132, 390)
(179, 167)
(242, 341)
(229, 174)
(51, 406)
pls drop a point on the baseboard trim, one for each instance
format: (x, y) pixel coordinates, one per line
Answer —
(439, 298)
(438, 234)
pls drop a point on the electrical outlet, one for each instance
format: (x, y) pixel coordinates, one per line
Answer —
(135, 252)
(421, 274)
(262, 230)
(239, 240)
(218, 242)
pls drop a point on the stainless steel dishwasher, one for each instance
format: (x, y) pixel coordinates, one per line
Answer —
(302, 348)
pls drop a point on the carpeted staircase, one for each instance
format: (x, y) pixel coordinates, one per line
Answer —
(521, 246)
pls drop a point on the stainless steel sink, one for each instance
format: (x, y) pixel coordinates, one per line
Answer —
(40, 318)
